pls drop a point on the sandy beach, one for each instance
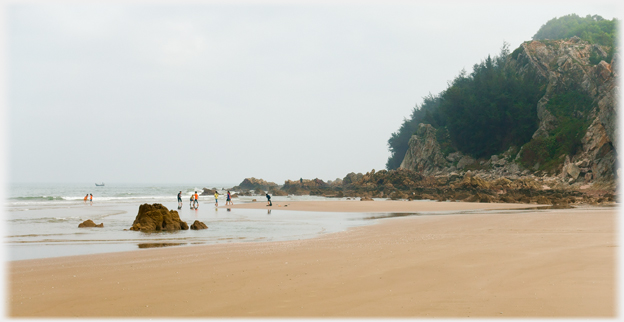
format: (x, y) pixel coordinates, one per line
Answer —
(534, 263)
(395, 206)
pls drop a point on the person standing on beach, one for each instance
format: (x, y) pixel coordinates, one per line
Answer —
(216, 199)
(228, 199)
(196, 199)
(180, 200)
(86, 197)
(192, 200)
(269, 203)
(91, 197)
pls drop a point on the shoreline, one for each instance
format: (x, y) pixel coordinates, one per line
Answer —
(384, 206)
(553, 263)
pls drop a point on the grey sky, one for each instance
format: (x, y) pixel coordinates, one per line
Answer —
(214, 93)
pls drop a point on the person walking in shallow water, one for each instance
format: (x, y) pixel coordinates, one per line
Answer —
(180, 200)
(216, 199)
(192, 200)
(86, 197)
(91, 198)
(196, 200)
(228, 200)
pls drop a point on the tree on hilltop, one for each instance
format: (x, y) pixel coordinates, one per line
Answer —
(594, 29)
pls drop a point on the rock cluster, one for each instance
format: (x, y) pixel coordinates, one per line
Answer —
(157, 217)
(497, 180)
(259, 186)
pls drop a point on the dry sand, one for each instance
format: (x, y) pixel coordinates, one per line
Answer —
(555, 263)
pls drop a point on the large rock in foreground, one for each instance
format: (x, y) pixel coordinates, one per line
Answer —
(157, 217)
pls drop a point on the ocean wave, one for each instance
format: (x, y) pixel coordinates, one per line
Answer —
(45, 219)
(44, 198)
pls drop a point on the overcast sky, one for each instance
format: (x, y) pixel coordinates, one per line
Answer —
(214, 92)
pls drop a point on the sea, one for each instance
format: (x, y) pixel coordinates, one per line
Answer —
(41, 220)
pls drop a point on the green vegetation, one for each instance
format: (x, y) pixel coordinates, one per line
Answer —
(494, 108)
(398, 142)
(480, 114)
(570, 109)
(594, 29)
(444, 139)
(491, 109)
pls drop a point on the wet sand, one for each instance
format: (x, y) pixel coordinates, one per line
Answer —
(553, 263)
(377, 206)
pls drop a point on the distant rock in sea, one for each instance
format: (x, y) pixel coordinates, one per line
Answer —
(208, 192)
(89, 223)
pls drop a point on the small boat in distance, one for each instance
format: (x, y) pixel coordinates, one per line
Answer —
(99, 184)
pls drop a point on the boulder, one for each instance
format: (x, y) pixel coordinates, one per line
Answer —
(499, 163)
(442, 180)
(507, 199)
(542, 200)
(453, 176)
(197, 225)
(366, 199)
(157, 217)
(470, 181)
(512, 168)
(573, 170)
(472, 198)
(480, 197)
(464, 161)
(454, 157)
(89, 223)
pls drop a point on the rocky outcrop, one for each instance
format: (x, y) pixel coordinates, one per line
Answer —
(547, 121)
(562, 66)
(208, 192)
(157, 217)
(565, 66)
(197, 225)
(258, 185)
(89, 223)
(423, 154)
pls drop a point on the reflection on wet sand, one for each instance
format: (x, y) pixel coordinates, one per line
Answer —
(514, 210)
(153, 245)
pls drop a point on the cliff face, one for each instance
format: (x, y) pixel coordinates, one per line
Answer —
(562, 66)
(423, 154)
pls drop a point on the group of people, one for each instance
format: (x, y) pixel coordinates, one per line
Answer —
(194, 201)
(88, 197)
